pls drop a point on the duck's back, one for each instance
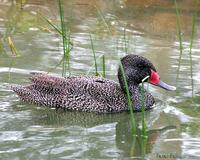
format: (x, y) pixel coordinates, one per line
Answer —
(83, 93)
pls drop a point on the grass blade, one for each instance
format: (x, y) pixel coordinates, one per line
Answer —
(50, 23)
(190, 49)
(53, 26)
(12, 48)
(2, 50)
(125, 41)
(180, 39)
(94, 56)
(93, 65)
(130, 104)
(104, 19)
(144, 126)
(104, 66)
(65, 40)
(59, 63)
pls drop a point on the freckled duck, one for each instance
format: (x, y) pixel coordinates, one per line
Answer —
(94, 94)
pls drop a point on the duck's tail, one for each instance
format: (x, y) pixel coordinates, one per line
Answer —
(44, 90)
(30, 95)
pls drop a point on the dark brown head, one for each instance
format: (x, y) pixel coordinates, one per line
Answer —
(136, 68)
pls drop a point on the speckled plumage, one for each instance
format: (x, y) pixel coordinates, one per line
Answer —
(89, 94)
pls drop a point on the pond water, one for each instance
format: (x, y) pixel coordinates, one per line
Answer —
(145, 27)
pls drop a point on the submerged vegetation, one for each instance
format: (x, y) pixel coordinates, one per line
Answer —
(181, 49)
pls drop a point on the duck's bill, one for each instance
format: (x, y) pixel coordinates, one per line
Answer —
(165, 86)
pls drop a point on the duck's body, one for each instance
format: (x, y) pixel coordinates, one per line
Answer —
(84, 93)
(81, 93)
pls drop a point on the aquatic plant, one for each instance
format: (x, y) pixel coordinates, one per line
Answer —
(65, 34)
(54, 67)
(140, 143)
(2, 49)
(65, 40)
(13, 49)
(94, 56)
(95, 61)
(180, 39)
(103, 19)
(144, 126)
(103, 66)
(193, 33)
(126, 41)
(50, 23)
(130, 104)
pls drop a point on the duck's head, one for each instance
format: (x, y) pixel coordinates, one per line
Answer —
(136, 68)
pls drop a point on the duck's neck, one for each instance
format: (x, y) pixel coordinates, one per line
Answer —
(136, 96)
(135, 90)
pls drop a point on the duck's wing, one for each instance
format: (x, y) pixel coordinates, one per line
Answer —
(73, 93)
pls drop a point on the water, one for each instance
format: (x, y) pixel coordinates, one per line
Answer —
(33, 132)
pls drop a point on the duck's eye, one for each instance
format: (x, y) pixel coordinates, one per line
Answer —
(140, 66)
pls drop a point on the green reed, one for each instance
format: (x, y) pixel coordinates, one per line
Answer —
(104, 19)
(180, 38)
(103, 66)
(54, 67)
(141, 144)
(65, 40)
(190, 48)
(144, 126)
(130, 104)
(64, 32)
(144, 143)
(60, 33)
(13, 49)
(126, 41)
(99, 58)
(51, 24)
(94, 56)
(2, 49)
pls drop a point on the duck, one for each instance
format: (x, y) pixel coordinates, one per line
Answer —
(92, 93)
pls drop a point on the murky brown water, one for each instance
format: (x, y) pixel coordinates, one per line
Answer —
(32, 132)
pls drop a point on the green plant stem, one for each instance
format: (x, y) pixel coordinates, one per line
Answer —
(180, 39)
(94, 56)
(59, 63)
(125, 41)
(66, 44)
(103, 18)
(91, 68)
(50, 23)
(144, 126)
(143, 146)
(53, 26)
(190, 51)
(13, 49)
(130, 104)
(104, 66)
(2, 49)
